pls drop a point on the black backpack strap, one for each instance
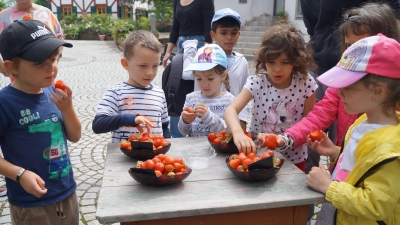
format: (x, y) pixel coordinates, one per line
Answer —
(175, 74)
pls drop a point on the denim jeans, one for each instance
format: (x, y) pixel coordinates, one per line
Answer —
(173, 121)
(181, 39)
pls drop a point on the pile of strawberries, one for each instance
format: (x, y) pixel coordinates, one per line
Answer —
(157, 140)
(240, 162)
(223, 137)
(162, 164)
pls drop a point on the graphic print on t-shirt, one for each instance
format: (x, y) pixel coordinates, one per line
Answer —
(56, 153)
(279, 117)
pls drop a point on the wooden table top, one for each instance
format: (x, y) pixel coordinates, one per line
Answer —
(206, 191)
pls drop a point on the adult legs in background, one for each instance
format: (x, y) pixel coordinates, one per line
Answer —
(173, 121)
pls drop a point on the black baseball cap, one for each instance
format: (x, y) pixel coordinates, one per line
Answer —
(31, 40)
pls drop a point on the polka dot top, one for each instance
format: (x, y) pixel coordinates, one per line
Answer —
(275, 110)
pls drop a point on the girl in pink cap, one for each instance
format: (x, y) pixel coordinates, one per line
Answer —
(364, 188)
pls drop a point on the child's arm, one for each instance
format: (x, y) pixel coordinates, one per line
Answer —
(186, 118)
(378, 197)
(189, 52)
(212, 121)
(29, 181)
(243, 143)
(103, 123)
(322, 115)
(72, 124)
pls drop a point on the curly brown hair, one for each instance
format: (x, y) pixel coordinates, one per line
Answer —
(285, 39)
(372, 18)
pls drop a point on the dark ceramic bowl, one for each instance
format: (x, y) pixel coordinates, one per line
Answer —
(225, 148)
(255, 174)
(148, 177)
(144, 150)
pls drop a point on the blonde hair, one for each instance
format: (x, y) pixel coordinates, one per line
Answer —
(144, 39)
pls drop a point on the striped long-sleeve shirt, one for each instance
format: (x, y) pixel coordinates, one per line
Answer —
(122, 103)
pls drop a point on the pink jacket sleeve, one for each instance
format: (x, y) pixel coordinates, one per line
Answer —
(323, 114)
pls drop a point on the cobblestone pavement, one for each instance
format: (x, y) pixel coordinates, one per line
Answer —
(89, 68)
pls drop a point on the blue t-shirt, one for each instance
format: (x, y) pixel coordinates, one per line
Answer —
(32, 136)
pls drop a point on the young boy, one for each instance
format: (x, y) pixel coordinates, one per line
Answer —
(36, 120)
(128, 105)
(225, 32)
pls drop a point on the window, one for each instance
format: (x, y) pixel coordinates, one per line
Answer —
(101, 9)
(242, 1)
(67, 10)
(299, 13)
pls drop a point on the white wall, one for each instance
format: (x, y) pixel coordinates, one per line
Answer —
(248, 10)
(290, 7)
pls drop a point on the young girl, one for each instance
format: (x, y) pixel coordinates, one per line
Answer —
(365, 188)
(370, 19)
(282, 91)
(203, 109)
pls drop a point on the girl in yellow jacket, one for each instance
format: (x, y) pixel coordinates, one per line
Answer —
(366, 184)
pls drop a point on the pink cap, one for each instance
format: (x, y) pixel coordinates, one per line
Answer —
(377, 55)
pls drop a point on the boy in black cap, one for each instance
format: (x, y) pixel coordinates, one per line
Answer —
(36, 120)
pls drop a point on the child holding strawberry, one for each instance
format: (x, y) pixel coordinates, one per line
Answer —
(128, 106)
(364, 189)
(283, 91)
(203, 110)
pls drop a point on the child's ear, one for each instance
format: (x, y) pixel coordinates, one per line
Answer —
(124, 63)
(224, 75)
(11, 67)
(380, 91)
(212, 34)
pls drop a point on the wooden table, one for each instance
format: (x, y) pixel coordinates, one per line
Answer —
(208, 196)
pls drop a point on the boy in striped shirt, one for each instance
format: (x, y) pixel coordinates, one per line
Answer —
(136, 104)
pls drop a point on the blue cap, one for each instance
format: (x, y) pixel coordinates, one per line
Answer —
(208, 57)
(227, 12)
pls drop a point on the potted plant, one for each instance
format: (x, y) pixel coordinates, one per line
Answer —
(103, 31)
(283, 16)
(71, 31)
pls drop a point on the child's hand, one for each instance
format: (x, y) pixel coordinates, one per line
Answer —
(318, 179)
(244, 143)
(146, 121)
(201, 110)
(262, 136)
(32, 184)
(63, 100)
(323, 147)
(188, 116)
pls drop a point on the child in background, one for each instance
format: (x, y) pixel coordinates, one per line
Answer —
(282, 91)
(366, 178)
(36, 120)
(370, 19)
(225, 32)
(135, 103)
(209, 103)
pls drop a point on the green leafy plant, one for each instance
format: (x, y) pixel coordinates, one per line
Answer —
(282, 14)
(72, 30)
(122, 27)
